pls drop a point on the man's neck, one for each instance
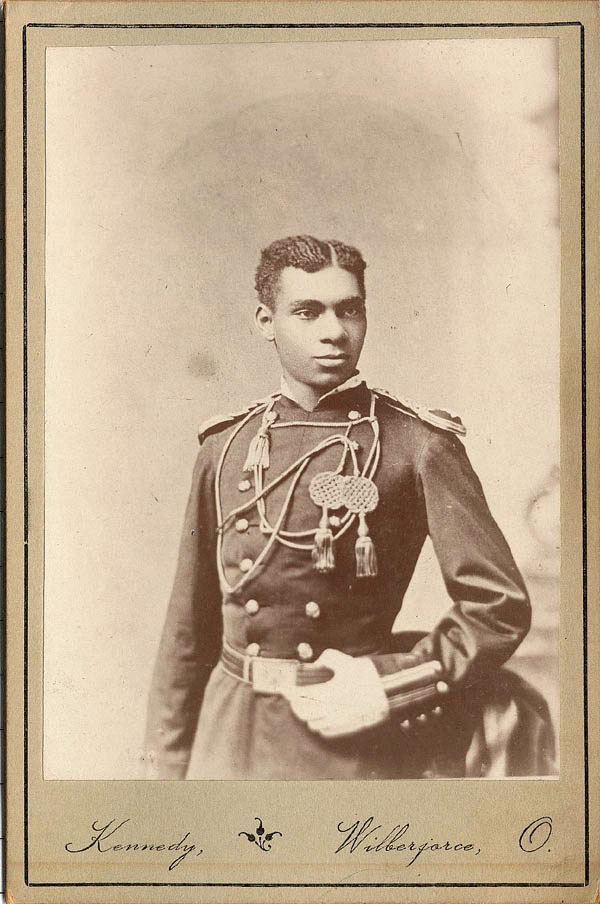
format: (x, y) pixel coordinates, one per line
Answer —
(307, 396)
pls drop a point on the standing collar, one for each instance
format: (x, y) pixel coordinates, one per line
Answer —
(351, 383)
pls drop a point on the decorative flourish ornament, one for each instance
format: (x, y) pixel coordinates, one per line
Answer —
(360, 496)
(326, 491)
(259, 837)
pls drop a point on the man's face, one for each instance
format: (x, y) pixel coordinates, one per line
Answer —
(318, 325)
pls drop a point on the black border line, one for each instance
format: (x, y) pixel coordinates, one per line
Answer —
(584, 465)
(3, 494)
(25, 483)
(314, 25)
(308, 884)
(305, 25)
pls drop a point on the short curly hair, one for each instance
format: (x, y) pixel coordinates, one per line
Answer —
(309, 254)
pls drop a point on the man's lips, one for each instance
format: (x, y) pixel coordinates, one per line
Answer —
(334, 356)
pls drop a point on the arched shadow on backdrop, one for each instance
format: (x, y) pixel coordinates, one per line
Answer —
(334, 165)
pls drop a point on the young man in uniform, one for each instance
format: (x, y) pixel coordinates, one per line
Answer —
(307, 514)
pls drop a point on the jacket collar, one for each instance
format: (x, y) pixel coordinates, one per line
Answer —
(352, 395)
(351, 383)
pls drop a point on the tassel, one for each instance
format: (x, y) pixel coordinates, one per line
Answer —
(258, 452)
(322, 552)
(364, 549)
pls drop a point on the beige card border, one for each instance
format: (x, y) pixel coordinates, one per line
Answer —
(54, 809)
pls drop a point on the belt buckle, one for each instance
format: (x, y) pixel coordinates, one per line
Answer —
(270, 676)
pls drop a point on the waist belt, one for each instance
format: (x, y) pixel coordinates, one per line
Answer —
(409, 688)
(269, 675)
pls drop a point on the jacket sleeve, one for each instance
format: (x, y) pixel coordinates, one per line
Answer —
(191, 637)
(491, 613)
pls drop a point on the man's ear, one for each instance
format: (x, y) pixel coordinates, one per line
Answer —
(263, 317)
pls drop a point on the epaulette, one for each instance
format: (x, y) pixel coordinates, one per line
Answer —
(444, 420)
(214, 424)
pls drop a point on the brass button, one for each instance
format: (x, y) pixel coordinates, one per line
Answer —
(437, 710)
(246, 565)
(312, 609)
(305, 651)
(252, 649)
(244, 485)
(241, 525)
(251, 607)
(405, 724)
(441, 687)
(422, 717)
(353, 415)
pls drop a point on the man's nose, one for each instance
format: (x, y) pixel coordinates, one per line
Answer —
(332, 328)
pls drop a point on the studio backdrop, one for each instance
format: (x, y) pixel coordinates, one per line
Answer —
(168, 169)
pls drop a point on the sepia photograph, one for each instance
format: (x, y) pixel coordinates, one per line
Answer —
(302, 452)
(302, 410)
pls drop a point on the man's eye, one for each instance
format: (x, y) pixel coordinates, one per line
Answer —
(355, 310)
(306, 314)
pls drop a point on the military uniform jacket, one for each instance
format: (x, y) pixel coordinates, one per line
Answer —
(232, 586)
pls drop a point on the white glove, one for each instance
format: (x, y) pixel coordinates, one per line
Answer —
(354, 699)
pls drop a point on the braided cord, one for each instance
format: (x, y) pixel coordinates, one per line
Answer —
(219, 508)
(222, 522)
(299, 466)
(369, 469)
(284, 536)
(271, 541)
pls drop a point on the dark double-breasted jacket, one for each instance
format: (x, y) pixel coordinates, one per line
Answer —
(246, 577)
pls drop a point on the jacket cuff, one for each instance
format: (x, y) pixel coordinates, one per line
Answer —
(389, 663)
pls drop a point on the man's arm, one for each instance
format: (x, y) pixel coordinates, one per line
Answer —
(491, 613)
(489, 617)
(191, 637)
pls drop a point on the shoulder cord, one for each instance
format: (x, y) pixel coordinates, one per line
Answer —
(270, 542)
(265, 526)
(299, 466)
(253, 500)
(370, 466)
(282, 535)
(265, 490)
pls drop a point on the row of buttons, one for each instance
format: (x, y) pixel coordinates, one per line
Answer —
(304, 651)
(312, 609)
(421, 718)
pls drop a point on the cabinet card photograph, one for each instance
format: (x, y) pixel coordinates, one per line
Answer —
(299, 326)
(242, 241)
